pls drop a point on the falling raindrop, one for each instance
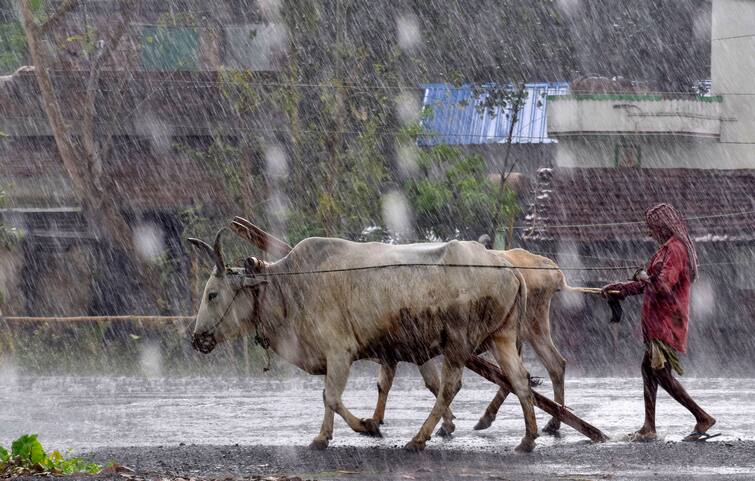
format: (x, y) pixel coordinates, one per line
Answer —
(409, 34)
(406, 157)
(397, 214)
(148, 240)
(275, 162)
(150, 359)
(407, 108)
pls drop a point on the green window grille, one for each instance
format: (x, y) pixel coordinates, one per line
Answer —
(169, 48)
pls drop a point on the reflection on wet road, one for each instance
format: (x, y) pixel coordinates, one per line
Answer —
(89, 412)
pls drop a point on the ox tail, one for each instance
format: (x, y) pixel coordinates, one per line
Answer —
(521, 309)
(579, 290)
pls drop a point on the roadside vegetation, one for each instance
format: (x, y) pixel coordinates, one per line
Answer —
(27, 457)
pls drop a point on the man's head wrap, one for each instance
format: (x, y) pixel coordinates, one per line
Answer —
(665, 216)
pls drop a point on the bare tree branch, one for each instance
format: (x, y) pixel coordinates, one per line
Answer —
(56, 18)
(100, 207)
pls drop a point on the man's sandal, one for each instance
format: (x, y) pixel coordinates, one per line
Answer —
(696, 436)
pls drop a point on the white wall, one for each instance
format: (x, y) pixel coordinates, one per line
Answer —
(615, 116)
(733, 67)
(656, 152)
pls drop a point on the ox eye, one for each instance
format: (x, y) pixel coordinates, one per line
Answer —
(212, 295)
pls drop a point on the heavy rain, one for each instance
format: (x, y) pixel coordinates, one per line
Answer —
(351, 239)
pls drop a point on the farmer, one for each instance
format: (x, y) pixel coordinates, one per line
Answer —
(666, 287)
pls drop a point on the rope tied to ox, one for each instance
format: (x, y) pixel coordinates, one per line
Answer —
(427, 264)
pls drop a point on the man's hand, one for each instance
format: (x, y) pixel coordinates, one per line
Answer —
(643, 276)
(615, 290)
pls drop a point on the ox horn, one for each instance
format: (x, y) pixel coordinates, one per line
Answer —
(218, 253)
(202, 246)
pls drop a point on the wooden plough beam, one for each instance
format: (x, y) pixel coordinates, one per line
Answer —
(489, 371)
(258, 237)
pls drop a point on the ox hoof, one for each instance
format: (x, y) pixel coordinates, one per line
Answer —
(318, 444)
(415, 446)
(552, 428)
(483, 423)
(526, 446)
(446, 430)
(371, 428)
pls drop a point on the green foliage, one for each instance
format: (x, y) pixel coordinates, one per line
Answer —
(28, 449)
(340, 141)
(355, 202)
(13, 50)
(86, 40)
(453, 196)
(491, 97)
(27, 457)
(8, 236)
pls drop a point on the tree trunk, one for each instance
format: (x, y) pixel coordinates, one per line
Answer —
(84, 165)
(50, 103)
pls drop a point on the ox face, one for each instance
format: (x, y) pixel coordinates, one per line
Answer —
(228, 302)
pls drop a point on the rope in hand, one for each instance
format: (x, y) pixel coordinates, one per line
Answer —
(420, 264)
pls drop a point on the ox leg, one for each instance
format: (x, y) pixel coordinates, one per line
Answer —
(492, 410)
(432, 382)
(335, 382)
(384, 383)
(505, 351)
(450, 385)
(555, 364)
(326, 431)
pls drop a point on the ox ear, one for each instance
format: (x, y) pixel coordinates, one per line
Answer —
(253, 282)
(203, 247)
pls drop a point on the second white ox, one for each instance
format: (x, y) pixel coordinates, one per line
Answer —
(544, 279)
(318, 313)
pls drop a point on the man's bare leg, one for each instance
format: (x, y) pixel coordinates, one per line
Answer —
(675, 389)
(650, 391)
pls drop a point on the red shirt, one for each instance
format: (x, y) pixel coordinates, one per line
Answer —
(665, 307)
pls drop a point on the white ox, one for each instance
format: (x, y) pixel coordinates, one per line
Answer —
(543, 279)
(323, 321)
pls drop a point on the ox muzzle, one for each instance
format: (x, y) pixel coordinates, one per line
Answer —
(204, 342)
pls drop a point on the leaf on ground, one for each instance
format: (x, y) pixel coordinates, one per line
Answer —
(28, 448)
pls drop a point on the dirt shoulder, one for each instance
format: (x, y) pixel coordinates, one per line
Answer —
(574, 461)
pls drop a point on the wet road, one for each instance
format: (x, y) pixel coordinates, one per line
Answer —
(91, 412)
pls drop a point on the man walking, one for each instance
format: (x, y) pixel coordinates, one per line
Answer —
(665, 312)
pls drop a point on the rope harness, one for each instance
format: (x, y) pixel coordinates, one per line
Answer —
(214, 326)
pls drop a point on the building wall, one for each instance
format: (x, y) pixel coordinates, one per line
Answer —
(525, 158)
(732, 74)
(643, 114)
(654, 152)
(733, 68)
